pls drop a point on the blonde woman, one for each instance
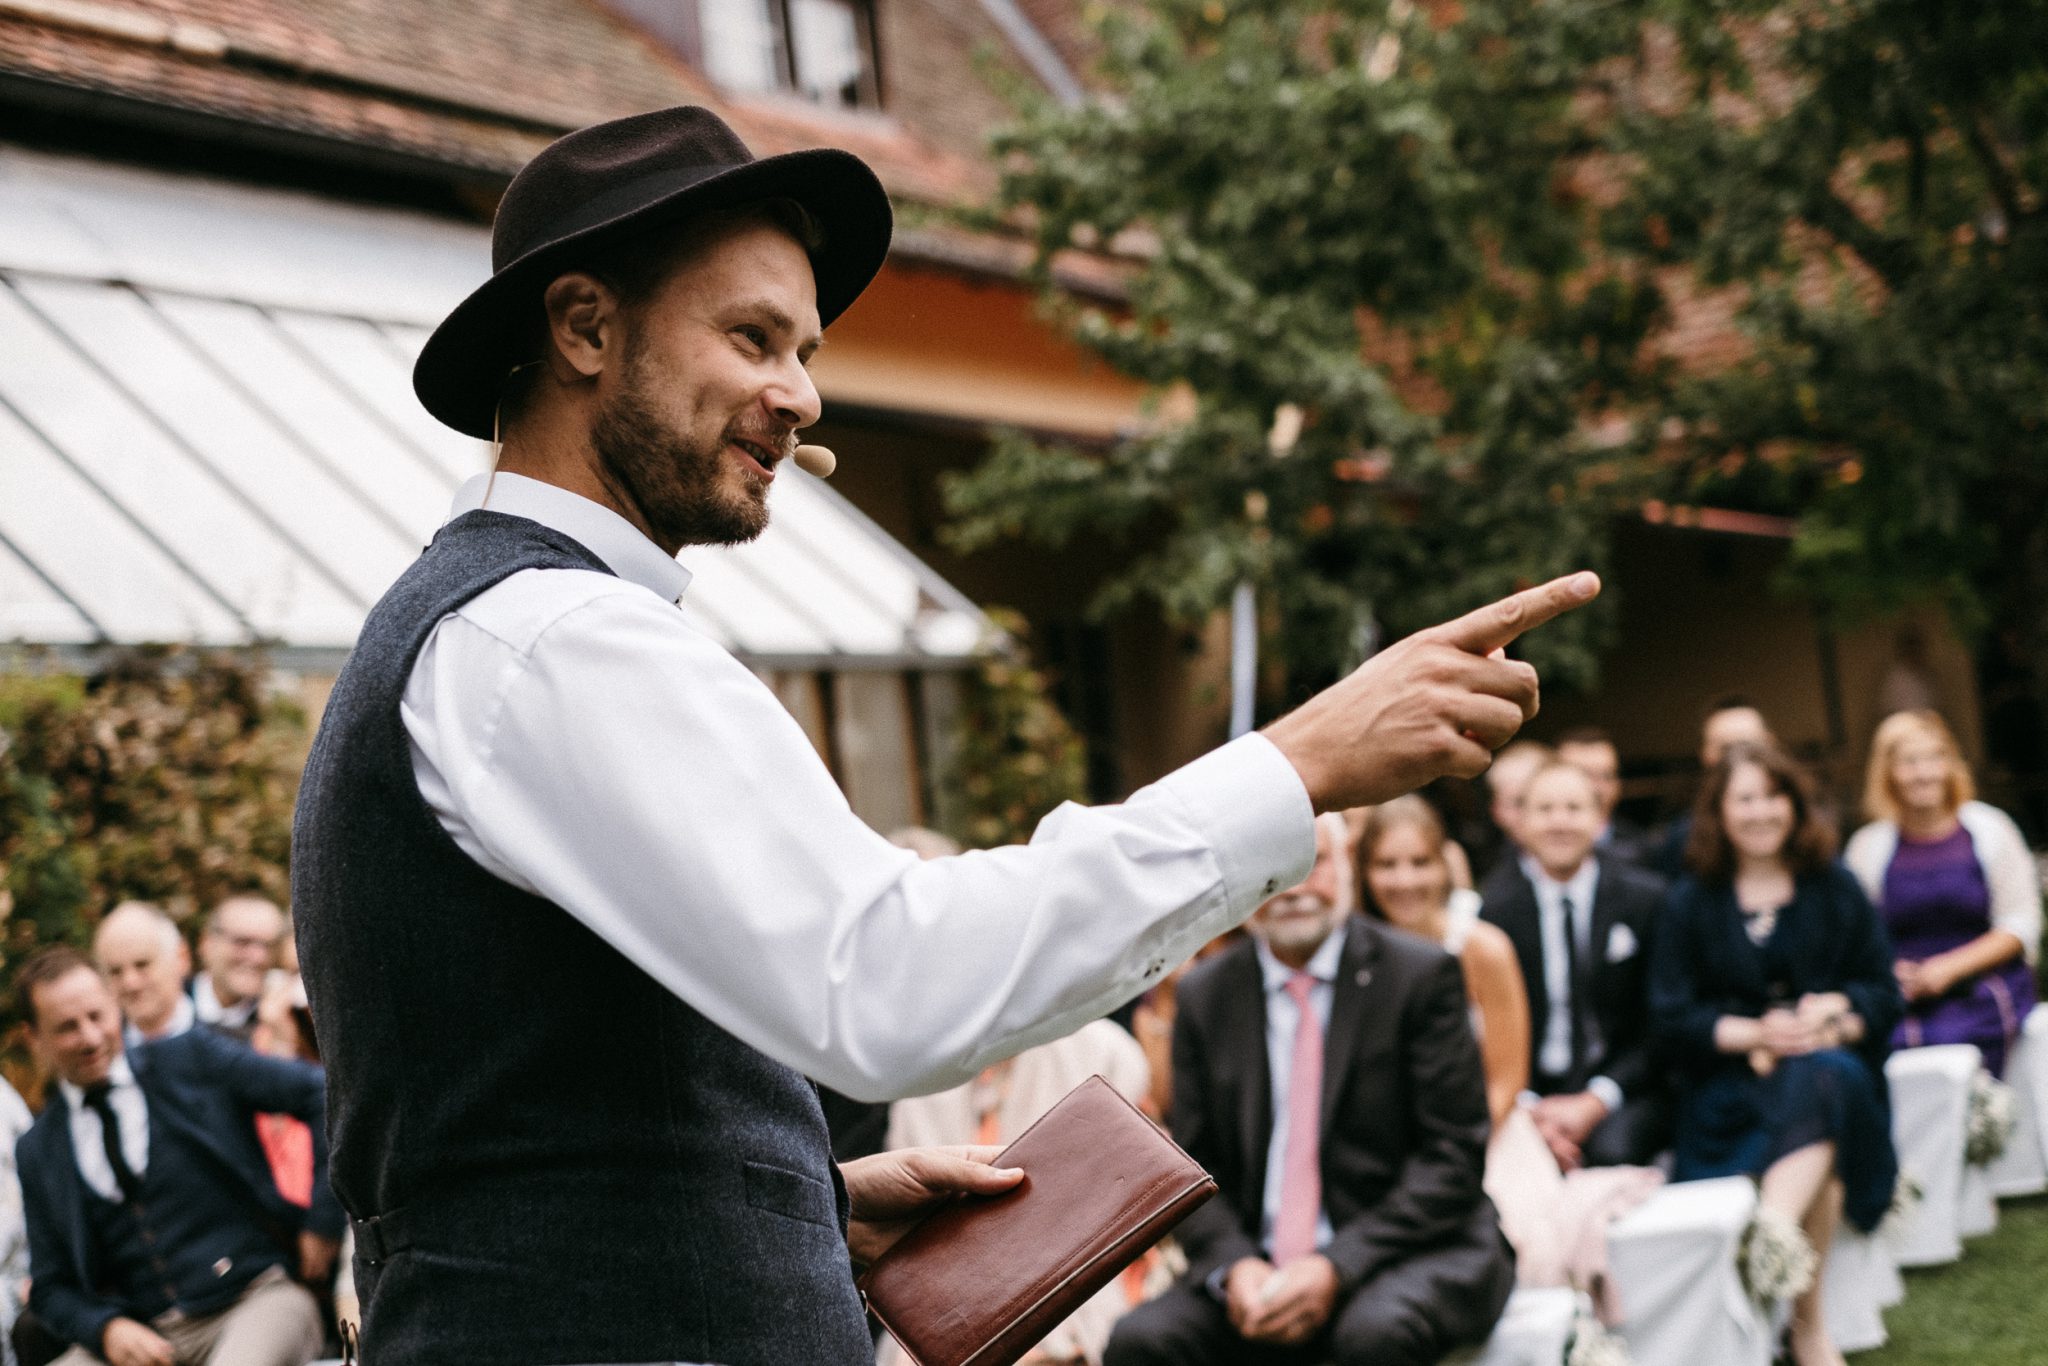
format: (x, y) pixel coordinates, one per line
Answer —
(1958, 889)
(1556, 1222)
(1406, 879)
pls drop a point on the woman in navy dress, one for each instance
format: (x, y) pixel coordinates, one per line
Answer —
(1958, 889)
(1772, 995)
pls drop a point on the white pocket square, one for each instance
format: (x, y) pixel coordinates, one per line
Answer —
(1621, 944)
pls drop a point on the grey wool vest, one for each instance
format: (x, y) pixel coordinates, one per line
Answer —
(549, 1158)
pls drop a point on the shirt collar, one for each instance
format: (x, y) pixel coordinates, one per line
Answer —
(118, 1076)
(621, 545)
(207, 1006)
(1580, 887)
(1322, 964)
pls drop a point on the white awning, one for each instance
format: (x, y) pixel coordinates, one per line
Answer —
(208, 434)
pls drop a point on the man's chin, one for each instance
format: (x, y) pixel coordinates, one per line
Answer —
(730, 524)
(1298, 938)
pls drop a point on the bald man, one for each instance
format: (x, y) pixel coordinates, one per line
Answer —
(146, 959)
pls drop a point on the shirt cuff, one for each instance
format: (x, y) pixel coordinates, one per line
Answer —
(1250, 802)
(1608, 1090)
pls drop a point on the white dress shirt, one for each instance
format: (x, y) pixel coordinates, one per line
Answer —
(1555, 1057)
(1283, 1018)
(209, 1009)
(88, 1143)
(578, 738)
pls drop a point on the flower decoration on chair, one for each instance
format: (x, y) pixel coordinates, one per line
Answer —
(1994, 1110)
(1907, 1194)
(1776, 1261)
(1592, 1345)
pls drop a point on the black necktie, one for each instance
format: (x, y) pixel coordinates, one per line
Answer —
(1575, 976)
(110, 1135)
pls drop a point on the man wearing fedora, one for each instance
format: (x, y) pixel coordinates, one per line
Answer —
(534, 771)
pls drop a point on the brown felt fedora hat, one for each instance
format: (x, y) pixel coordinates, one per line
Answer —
(633, 173)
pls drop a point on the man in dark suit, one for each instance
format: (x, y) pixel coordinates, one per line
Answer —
(1581, 925)
(1326, 1074)
(156, 1235)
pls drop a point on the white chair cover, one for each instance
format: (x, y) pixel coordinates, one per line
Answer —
(1977, 1210)
(2023, 1169)
(1930, 1105)
(1673, 1263)
(1859, 1282)
(1533, 1330)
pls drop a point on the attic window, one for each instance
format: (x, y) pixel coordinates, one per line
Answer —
(819, 50)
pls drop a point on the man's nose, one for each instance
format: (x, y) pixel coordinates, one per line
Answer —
(793, 397)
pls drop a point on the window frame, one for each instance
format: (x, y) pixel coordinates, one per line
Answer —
(866, 38)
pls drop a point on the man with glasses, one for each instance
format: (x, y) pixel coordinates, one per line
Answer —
(237, 950)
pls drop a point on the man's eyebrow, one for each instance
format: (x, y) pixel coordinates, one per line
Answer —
(773, 311)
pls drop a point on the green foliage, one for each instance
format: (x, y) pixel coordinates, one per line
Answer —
(1873, 177)
(1346, 210)
(1015, 757)
(165, 779)
(1445, 233)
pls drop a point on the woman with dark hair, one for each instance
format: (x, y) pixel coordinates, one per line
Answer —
(1772, 996)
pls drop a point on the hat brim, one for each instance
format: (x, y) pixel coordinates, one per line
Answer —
(462, 369)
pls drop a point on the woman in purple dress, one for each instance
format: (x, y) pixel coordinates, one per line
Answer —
(1958, 887)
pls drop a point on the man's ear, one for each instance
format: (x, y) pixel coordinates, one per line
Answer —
(583, 325)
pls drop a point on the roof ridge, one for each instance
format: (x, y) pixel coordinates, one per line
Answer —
(143, 28)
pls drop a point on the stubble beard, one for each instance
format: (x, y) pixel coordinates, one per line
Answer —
(675, 483)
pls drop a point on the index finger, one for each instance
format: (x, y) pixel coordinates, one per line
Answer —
(1493, 626)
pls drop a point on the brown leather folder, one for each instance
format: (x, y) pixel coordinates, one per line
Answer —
(982, 1280)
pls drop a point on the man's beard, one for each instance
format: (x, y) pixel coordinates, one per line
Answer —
(674, 483)
(1298, 933)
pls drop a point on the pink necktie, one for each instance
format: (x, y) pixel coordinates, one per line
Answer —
(1301, 1179)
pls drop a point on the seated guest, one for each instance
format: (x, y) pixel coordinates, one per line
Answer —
(14, 1122)
(1729, 720)
(1591, 750)
(1504, 780)
(155, 1233)
(1325, 1073)
(1581, 926)
(1406, 880)
(145, 959)
(237, 950)
(1773, 998)
(1958, 889)
(1556, 1221)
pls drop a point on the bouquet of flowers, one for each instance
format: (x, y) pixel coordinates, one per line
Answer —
(1592, 1345)
(1994, 1109)
(1907, 1193)
(1776, 1261)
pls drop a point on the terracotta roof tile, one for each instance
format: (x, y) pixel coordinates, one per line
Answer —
(481, 86)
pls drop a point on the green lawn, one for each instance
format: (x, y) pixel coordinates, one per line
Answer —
(1989, 1309)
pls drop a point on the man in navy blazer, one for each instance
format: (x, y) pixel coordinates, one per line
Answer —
(156, 1234)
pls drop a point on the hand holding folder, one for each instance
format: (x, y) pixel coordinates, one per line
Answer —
(981, 1281)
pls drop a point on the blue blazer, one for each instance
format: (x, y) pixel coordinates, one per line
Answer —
(207, 1088)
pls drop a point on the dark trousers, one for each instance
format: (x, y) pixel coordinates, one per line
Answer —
(1632, 1136)
(1411, 1314)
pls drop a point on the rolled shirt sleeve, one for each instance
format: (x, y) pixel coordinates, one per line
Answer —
(583, 742)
